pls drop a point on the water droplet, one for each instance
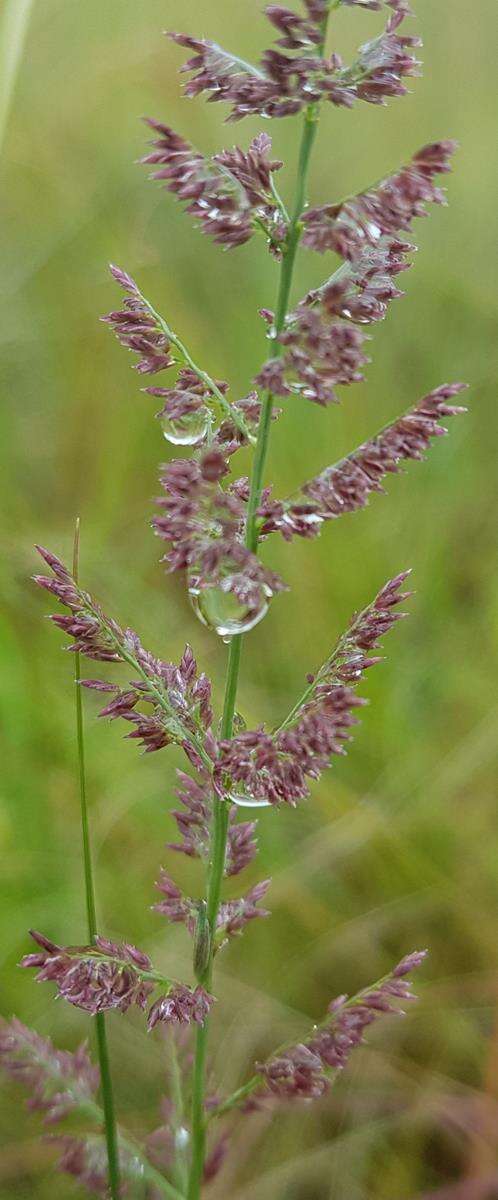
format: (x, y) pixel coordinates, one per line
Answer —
(136, 1168)
(243, 800)
(303, 518)
(182, 1137)
(239, 722)
(219, 608)
(186, 430)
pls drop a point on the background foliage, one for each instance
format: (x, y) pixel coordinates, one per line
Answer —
(398, 847)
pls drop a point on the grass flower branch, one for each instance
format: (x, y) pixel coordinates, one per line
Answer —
(63, 1083)
(143, 331)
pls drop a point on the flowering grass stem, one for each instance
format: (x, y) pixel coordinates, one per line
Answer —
(221, 807)
(214, 529)
(100, 1029)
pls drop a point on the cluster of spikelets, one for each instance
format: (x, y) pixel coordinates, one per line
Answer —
(204, 516)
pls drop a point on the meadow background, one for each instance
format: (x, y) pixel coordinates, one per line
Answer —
(398, 847)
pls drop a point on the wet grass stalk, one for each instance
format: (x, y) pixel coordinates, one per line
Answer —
(212, 526)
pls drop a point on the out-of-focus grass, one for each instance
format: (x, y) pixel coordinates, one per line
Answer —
(398, 847)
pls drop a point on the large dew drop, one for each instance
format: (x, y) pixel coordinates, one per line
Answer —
(221, 609)
(186, 430)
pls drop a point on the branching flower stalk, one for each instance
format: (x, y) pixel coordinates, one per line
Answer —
(213, 523)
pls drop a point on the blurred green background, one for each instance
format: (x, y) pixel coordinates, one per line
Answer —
(398, 847)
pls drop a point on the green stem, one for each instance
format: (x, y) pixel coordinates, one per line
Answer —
(296, 708)
(215, 880)
(221, 808)
(236, 1098)
(180, 1164)
(101, 1034)
(197, 1115)
(286, 274)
